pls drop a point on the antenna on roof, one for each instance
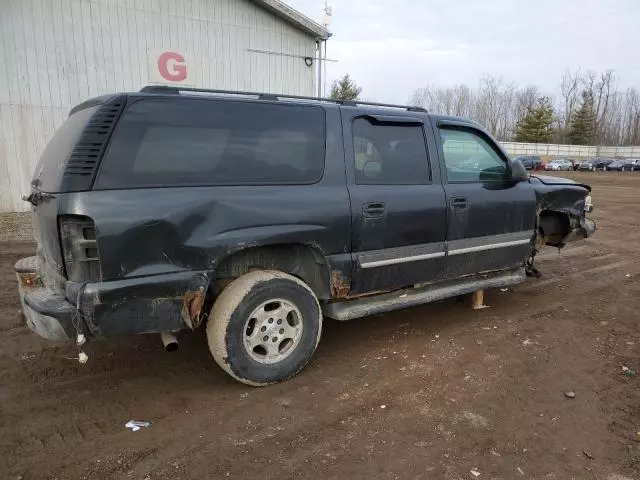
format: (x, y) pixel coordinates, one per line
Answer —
(328, 15)
(322, 52)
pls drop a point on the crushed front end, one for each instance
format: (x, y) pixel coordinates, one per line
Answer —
(563, 206)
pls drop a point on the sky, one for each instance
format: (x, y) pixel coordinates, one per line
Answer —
(392, 47)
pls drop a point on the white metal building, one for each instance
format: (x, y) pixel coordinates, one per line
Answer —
(56, 53)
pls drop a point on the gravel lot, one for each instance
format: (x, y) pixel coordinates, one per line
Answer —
(15, 226)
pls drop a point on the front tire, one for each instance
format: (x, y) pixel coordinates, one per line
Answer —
(264, 327)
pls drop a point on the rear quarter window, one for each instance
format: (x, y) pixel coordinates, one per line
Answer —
(48, 174)
(179, 142)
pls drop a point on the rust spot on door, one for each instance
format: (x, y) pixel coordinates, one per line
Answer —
(340, 286)
(192, 304)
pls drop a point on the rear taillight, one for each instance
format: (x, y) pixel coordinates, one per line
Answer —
(80, 249)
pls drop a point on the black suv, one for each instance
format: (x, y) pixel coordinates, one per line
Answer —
(531, 162)
(257, 214)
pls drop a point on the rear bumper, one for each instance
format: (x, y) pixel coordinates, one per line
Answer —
(153, 303)
(47, 313)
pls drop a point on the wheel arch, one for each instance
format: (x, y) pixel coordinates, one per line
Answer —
(553, 226)
(304, 261)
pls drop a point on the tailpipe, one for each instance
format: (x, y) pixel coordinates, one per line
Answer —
(169, 341)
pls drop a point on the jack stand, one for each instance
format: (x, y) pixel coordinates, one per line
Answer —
(477, 300)
(529, 269)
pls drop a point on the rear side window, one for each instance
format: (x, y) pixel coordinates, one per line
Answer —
(389, 154)
(177, 142)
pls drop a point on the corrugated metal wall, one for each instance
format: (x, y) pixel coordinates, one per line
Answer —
(56, 53)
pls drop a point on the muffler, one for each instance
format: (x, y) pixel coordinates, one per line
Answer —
(169, 341)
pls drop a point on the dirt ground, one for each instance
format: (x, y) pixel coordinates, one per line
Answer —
(426, 393)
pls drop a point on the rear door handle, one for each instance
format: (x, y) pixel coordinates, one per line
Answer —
(458, 203)
(374, 210)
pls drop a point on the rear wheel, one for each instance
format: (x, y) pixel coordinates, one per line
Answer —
(264, 327)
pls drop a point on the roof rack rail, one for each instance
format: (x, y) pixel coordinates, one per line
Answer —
(169, 89)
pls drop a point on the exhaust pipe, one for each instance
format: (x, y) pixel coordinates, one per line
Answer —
(169, 341)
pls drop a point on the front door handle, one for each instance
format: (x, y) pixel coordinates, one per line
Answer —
(458, 203)
(374, 210)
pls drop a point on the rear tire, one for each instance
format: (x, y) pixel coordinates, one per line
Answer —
(264, 327)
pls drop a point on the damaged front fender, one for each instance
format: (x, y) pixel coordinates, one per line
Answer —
(585, 230)
(562, 205)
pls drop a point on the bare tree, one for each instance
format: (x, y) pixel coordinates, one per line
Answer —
(463, 101)
(499, 105)
(602, 97)
(570, 92)
(631, 119)
(525, 100)
(457, 100)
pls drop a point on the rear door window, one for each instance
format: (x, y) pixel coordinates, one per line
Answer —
(178, 142)
(390, 154)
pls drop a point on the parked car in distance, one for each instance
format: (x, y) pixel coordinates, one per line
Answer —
(558, 164)
(634, 164)
(624, 165)
(602, 163)
(594, 164)
(255, 216)
(530, 162)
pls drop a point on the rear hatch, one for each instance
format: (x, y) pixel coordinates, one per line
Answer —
(66, 244)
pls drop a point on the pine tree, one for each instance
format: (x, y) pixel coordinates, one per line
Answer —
(582, 127)
(537, 125)
(345, 89)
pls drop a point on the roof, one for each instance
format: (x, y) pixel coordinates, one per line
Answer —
(177, 90)
(295, 18)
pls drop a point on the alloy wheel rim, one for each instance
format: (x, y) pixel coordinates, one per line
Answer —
(272, 331)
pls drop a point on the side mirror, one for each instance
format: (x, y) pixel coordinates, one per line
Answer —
(518, 172)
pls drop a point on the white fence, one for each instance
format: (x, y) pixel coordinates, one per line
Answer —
(550, 149)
